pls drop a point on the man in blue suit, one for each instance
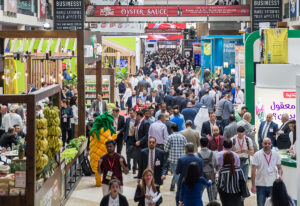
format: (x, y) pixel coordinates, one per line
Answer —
(183, 163)
(268, 129)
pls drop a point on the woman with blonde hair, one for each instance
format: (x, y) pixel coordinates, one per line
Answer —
(147, 193)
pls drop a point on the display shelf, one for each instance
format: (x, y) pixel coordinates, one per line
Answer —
(88, 105)
(90, 91)
(105, 97)
(105, 84)
(90, 97)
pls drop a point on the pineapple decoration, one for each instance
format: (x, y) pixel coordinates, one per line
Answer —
(54, 131)
(41, 144)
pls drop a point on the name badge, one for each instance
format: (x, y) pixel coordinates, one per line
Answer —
(157, 163)
(271, 130)
(270, 170)
(109, 175)
(65, 119)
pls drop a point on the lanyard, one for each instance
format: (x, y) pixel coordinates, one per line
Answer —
(138, 126)
(241, 146)
(218, 143)
(111, 164)
(268, 161)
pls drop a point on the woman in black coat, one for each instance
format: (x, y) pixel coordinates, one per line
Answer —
(114, 197)
(148, 192)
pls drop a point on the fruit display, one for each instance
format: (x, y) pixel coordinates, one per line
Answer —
(54, 131)
(101, 132)
(41, 144)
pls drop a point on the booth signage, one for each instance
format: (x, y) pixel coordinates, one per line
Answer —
(293, 8)
(42, 9)
(120, 27)
(68, 15)
(266, 11)
(165, 37)
(162, 30)
(167, 26)
(164, 11)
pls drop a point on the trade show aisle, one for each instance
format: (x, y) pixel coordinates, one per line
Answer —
(87, 194)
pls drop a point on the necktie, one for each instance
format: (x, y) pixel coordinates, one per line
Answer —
(151, 160)
(265, 130)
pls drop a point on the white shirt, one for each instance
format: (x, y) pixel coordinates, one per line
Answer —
(196, 87)
(151, 193)
(156, 83)
(239, 97)
(74, 119)
(11, 119)
(127, 94)
(113, 202)
(149, 80)
(133, 101)
(100, 107)
(134, 82)
(266, 174)
(149, 158)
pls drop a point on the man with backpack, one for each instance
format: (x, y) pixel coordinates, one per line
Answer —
(243, 146)
(210, 166)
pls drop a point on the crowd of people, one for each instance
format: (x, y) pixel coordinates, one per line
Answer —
(201, 133)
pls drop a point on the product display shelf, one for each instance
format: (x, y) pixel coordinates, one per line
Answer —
(91, 95)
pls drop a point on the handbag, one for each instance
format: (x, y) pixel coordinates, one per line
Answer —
(244, 192)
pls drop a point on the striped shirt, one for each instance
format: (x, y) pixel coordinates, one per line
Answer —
(175, 146)
(228, 183)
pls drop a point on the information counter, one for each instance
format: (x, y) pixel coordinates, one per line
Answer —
(289, 167)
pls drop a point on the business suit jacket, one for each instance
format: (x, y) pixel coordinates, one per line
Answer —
(183, 164)
(169, 100)
(283, 140)
(126, 129)
(157, 99)
(207, 130)
(122, 200)
(230, 130)
(143, 133)
(271, 133)
(121, 128)
(192, 136)
(249, 132)
(176, 81)
(129, 101)
(139, 197)
(159, 170)
(95, 106)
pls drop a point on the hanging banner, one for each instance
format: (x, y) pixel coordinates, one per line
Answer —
(120, 27)
(293, 8)
(42, 9)
(116, 2)
(207, 49)
(10, 6)
(276, 46)
(166, 26)
(164, 11)
(162, 30)
(68, 15)
(165, 37)
(266, 11)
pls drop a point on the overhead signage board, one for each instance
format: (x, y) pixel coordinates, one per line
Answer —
(266, 11)
(68, 15)
(165, 37)
(166, 25)
(162, 30)
(164, 11)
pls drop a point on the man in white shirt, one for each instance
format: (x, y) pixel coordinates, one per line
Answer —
(266, 167)
(157, 82)
(239, 95)
(134, 81)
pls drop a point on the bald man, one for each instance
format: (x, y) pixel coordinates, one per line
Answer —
(266, 167)
(267, 128)
(215, 143)
(250, 130)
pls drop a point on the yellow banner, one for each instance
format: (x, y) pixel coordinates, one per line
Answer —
(276, 46)
(207, 48)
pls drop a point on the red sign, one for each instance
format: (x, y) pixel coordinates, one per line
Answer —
(162, 30)
(166, 26)
(289, 95)
(165, 37)
(164, 11)
(42, 9)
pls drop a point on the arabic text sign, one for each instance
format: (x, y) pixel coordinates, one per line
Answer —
(164, 11)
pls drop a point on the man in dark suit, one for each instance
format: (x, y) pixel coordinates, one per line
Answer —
(268, 129)
(131, 101)
(98, 106)
(154, 99)
(183, 163)
(283, 140)
(176, 80)
(119, 126)
(206, 126)
(169, 100)
(66, 114)
(153, 158)
(130, 139)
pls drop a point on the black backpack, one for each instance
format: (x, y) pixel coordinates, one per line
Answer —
(86, 167)
(208, 167)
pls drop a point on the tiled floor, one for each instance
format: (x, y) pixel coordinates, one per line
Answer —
(86, 194)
